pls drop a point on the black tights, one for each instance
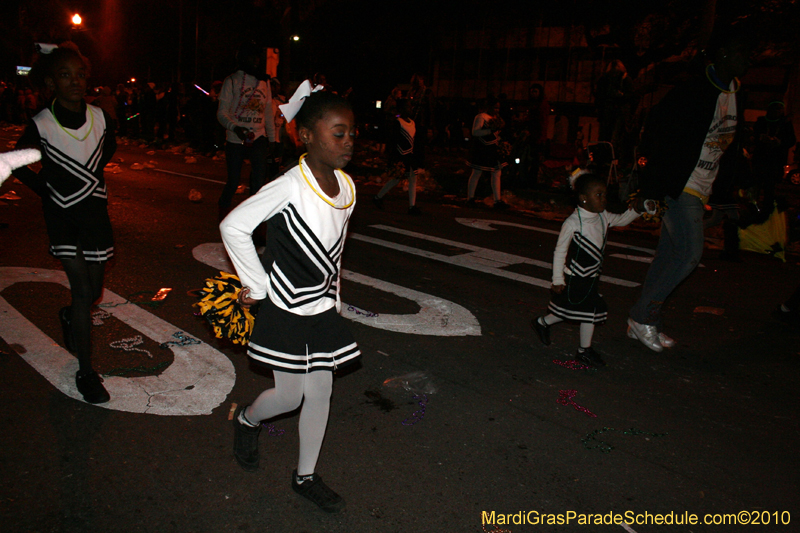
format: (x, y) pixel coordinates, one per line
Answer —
(86, 285)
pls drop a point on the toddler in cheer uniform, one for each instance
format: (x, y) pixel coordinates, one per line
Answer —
(577, 263)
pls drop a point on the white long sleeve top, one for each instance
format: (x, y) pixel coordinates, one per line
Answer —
(306, 230)
(588, 230)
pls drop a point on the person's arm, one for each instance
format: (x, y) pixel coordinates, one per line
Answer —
(110, 143)
(30, 139)
(560, 253)
(478, 129)
(269, 122)
(237, 233)
(225, 110)
(617, 220)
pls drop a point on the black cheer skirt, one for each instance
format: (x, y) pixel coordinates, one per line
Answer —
(579, 301)
(297, 344)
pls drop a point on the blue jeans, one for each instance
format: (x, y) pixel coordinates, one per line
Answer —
(235, 154)
(677, 255)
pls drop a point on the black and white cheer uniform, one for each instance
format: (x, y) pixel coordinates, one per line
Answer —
(75, 148)
(484, 149)
(578, 262)
(298, 328)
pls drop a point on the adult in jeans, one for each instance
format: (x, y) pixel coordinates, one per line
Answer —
(684, 139)
(245, 111)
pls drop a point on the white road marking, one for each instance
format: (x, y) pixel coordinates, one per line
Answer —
(198, 380)
(480, 259)
(639, 258)
(436, 316)
(486, 225)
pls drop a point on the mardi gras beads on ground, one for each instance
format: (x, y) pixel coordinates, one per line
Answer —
(604, 446)
(565, 397)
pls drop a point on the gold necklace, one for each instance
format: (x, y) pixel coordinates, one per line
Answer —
(325, 199)
(735, 79)
(91, 125)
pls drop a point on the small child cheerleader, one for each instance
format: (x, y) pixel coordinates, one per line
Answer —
(298, 332)
(76, 142)
(582, 238)
(401, 152)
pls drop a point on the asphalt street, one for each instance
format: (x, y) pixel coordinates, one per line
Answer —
(707, 429)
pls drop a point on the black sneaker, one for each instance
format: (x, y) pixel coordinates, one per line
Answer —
(65, 317)
(378, 202)
(542, 331)
(472, 203)
(500, 205)
(245, 442)
(90, 385)
(414, 210)
(589, 357)
(318, 492)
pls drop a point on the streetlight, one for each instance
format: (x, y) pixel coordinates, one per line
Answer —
(295, 37)
(76, 20)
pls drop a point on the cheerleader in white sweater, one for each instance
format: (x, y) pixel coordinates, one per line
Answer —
(298, 332)
(577, 263)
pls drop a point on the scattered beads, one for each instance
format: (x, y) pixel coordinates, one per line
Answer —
(605, 447)
(129, 345)
(566, 398)
(98, 316)
(418, 415)
(183, 340)
(273, 431)
(572, 364)
(357, 311)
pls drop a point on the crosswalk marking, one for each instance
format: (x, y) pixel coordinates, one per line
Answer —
(480, 259)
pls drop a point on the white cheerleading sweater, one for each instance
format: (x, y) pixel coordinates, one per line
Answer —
(305, 238)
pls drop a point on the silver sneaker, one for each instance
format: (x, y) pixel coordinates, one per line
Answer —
(666, 341)
(648, 335)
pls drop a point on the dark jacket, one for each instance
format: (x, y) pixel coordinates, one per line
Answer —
(674, 134)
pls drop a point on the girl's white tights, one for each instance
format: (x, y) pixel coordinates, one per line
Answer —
(313, 390)
(473, 183)
(587, 329)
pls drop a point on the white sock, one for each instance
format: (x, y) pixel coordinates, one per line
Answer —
(243, 420)
(587, 330)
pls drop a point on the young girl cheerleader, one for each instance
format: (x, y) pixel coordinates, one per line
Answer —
(484, 154)
(401, 152)
(583, 238)
(76, 142)
(298, 332)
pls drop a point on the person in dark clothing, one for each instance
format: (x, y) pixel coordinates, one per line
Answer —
(683, 140)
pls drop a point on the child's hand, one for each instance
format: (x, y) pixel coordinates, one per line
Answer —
(558, 289)
(645, 206)
(244, 298)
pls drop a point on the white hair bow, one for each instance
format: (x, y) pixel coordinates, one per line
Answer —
(18, 158)
(45, 48)
(292, 107)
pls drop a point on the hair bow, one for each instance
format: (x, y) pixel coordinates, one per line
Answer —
(44, 48)
(577, 173)
(292, 107)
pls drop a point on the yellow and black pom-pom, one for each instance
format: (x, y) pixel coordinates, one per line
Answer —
(219, 305)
